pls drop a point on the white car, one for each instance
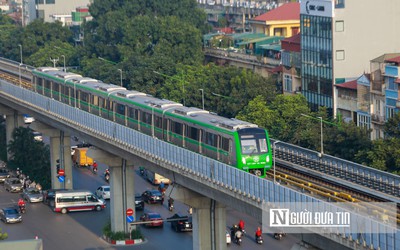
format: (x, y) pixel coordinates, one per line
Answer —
(28, 119)
(37, 136)
(103, 192)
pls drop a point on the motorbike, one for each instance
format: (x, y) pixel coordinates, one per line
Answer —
(94, 170)
(279, 235)
(22, 209)
(107, 177)
(141, 170)
(238, 240)
(259, 240)
(170, 205)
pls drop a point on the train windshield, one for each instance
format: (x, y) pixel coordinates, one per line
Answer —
(253, 144)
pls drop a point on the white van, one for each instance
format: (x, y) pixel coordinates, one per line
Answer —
(77, 200)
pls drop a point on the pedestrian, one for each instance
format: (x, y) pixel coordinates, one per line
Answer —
(190, 210)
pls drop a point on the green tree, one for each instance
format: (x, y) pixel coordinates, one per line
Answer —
(32, 157)
(392, 126)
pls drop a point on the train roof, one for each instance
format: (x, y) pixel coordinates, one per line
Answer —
(144, 99)
(212, 119)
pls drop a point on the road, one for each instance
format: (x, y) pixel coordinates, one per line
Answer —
(83, 230)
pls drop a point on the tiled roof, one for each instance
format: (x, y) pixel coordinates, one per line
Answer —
(348, 85)
(293, 39)
(289, 11)
(394, 60)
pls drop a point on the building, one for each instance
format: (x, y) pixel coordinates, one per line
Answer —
(282, 21)
(336, 46)
(50, 10)
(291, 64)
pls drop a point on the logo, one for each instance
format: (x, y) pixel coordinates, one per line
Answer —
(256, 159)
(286, 218)
(307, 8)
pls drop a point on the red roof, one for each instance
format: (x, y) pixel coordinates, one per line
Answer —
(348, 85)
(394, 60)
(292, 43)
(289, 11)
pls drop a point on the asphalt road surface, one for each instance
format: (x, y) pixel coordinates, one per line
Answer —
(83, 230)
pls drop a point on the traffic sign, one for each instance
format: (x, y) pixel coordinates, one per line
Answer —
(129, 212)
(61, 178)
(61, 172)
(129, 219)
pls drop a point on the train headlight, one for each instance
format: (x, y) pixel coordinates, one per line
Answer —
(267, 158)
(244, 160)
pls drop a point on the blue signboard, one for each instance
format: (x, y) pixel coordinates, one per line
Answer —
(130, 218)
(61, 178)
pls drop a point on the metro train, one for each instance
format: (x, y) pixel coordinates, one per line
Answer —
(231, 141)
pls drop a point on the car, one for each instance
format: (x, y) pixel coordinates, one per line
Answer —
(153, 219)
(28, 119)
(103, 192)
(4, 174)
(32, 195)
(13, 185)
(10, 215)
(228, 237)
(181, 223)
(139, 203)
(37, 136)
(153, 196)
(48, 196)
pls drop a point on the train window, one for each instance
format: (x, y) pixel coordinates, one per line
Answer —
(120, 109)
(211, 139)
(157, 121)
(176, 127)
(192, 133)
(95, 100)
(225, 144)
(84, 97)
(263, 145)
(101, 102)
(146, 118)
(132, 113)
(47, 84)
(249, 145)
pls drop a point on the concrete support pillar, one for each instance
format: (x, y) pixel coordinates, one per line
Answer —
(209, 218)
(13, 120)
(116, 208)
(60, 149)
(122, 188)
(54, 156)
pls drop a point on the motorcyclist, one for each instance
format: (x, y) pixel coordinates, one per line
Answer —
(18, 172)
(258, 232)
(238, 235)
(21, 204)
(241, 225)
(170, 203)
(161, 186)
(94, 166)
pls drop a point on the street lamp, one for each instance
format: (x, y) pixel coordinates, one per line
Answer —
(202, 97)
(275, 142)
(322, 133)
(64, 62)
(120, 71)
(20, 51)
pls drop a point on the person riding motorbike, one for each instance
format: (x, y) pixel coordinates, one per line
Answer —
(241, 225)
(21, 205)
(258, 235)
(161, 187)
(107, 175)
(170, 204)
(238, 236)
(94, 166)
(18, 172)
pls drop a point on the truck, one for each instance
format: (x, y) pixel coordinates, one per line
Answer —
(155, 178)
(80, 159)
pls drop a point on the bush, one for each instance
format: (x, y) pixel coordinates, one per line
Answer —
(135, 234)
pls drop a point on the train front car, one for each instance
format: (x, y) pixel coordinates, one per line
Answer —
(254, 153)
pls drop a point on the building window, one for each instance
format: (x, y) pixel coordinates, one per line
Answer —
(50, 1)
(287, 83)
(389, 113)
(339, 26)
(364, 121)
(339, 55)
(339, 4)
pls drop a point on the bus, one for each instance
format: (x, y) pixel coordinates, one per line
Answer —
(77, 200)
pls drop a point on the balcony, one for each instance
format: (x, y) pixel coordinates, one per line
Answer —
(377, 118)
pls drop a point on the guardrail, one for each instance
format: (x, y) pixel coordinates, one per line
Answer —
(232, 179)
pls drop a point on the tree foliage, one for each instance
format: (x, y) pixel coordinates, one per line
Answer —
(31, 156)
(392, 126)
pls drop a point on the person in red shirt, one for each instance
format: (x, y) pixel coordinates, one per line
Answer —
(21, 203)
(258, 232)
(241, 225)
(94, 166)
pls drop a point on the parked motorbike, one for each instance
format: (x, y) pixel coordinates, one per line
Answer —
(22, 209)
(279, 235)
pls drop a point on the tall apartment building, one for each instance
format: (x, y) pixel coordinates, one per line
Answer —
(338, 40)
